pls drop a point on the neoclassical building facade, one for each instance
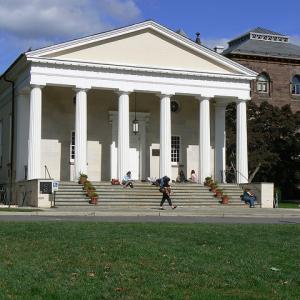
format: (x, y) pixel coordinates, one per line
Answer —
(75, 104)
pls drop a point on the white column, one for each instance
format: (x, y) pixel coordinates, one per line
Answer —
(35, 126)
(204, 139)
(22, 134)
(165, 136)
(123, 134)
(220, 141)
(81, 133)
(241, 142)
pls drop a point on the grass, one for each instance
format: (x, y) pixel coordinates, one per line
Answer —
(16, 209)
(288, 205)
(148, 261)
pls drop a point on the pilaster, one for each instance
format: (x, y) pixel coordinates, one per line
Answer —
(22, 133)
(220, 141)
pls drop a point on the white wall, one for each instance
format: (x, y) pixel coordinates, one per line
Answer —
(144, 48)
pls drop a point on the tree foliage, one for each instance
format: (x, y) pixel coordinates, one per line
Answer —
(273, 142)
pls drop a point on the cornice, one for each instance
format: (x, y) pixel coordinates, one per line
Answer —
(261, 57)
(136, 70)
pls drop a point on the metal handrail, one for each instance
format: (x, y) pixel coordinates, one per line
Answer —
(47, 172)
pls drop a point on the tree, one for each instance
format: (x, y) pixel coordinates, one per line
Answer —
(273, 142)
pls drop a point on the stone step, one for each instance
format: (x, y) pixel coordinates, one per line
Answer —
(118, 187)
(143, 194)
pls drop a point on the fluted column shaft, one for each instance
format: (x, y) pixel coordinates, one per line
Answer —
(220, 142)
(241, 142)
(204, 139)
(35, 127)
(123, 134)
(165, 136)
(81, 133)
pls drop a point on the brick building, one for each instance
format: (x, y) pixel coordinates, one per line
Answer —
(275, 59)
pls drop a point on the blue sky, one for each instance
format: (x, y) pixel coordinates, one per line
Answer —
(39, 23)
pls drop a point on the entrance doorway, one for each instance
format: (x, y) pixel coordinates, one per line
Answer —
(137, 146)
(134, 162)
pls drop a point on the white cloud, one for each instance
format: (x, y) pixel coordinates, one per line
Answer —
(121, 10)
(211, 43)
(38, 23)
(58, 20)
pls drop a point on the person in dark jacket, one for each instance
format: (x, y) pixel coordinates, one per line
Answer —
(165, 189)
(249, 198)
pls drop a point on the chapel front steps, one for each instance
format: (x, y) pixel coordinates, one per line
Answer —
(144, 195)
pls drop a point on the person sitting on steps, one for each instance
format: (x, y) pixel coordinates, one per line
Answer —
(193, 178)
(127, 180)
(249, 198)
(181, 177)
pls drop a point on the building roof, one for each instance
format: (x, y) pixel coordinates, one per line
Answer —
(265, 31)
(263, 42)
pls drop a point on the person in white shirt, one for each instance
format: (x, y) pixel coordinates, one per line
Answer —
(193, 178)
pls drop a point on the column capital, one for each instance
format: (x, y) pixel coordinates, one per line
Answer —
(121, 92)
(202, 97)
(40, 86)
(81, 89)
(239, 100)
(165, 95)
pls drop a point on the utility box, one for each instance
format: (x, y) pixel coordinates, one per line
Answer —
(36, 193)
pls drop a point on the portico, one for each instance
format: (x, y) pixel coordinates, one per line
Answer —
(87, 86)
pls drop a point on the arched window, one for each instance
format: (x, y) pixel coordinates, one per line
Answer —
(295, 86)
(263, 83)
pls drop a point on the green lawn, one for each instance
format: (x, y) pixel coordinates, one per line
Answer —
(149, 261)
(18, 209)
(288, 205)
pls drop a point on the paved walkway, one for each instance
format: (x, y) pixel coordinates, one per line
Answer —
(219, 211)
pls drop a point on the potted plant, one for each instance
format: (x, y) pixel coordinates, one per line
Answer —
(82, 178)
(208, 181)
(218, 193)
(93, 198)
(89, 190)
(225, 199)
(213, 187)
(86, 185)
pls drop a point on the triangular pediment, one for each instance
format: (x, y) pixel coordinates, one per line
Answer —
(148, 45)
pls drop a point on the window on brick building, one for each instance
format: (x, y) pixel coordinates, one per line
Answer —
(295, 85)
(263, 83)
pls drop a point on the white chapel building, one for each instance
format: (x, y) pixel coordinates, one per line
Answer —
(70, 108)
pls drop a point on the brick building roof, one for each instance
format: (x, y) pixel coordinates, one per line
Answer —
(263, 42)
